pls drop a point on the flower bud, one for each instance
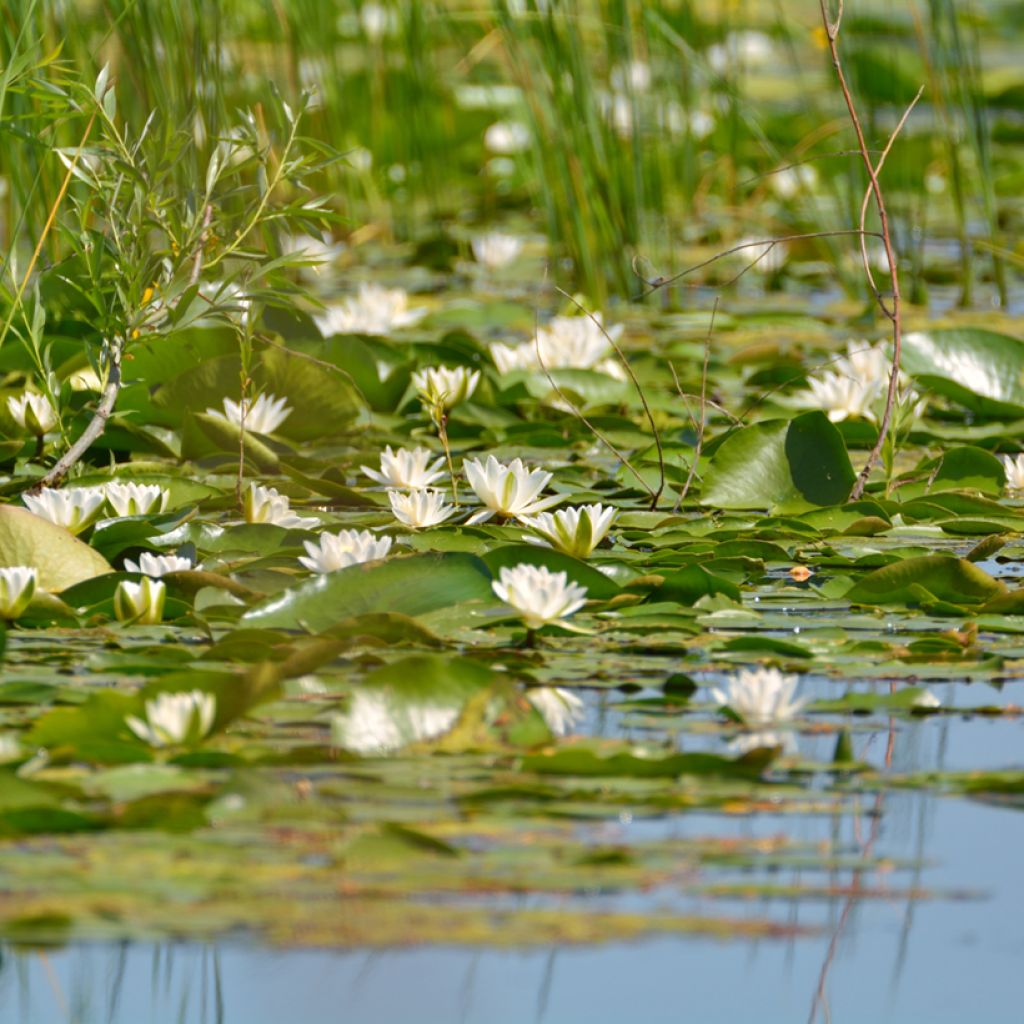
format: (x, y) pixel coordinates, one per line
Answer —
(140, 603)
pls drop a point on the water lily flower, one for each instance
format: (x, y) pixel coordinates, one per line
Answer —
(576, 531)
(373, 310)
(173, 719)
(133, 499)
(74, 508)
(333, 551)
(1014, 467)
(407, 469)
(266, 505)
(17, 585)
(844, 397)
(927, 701)
(445, 386)
(421, 508)
(157, 565)
(567, 342)
(508, 490)
(141, 603)
(760, 696)
(635, 75)
(746, 742)
(507, 137)
(788, 181)
(377, 20)
(762, 257)
(496, 249)
(746, 48)
(10, 747)
(262, 416)
(317, 251)
(856, 385)
(32, 412)
(560, 708)
(539, 595)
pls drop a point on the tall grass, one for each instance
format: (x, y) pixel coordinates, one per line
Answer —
(654, 134)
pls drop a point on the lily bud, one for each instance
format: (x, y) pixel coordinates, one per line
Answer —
(140, 603)
(32, 413)
(17, 585)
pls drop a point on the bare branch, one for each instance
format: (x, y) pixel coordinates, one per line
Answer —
(636, 383)
(894, 312)
(661, 282)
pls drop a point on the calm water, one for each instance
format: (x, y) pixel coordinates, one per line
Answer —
(952, 958)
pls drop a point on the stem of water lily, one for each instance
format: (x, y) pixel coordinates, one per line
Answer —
(531, 638)
(40, 444)
(442, 433)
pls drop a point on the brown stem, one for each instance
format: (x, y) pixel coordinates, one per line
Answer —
(636, 383)
(894, 313)
(95, 427)
(702, 425)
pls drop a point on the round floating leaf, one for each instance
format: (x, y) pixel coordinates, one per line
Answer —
(61, 559)
(980, 369)
(409, 586)
(914, 580)
(782, 465)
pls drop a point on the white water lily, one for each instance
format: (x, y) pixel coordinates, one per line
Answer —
(760, 696)
(317, 251)
(373, 723)
(496, 249)
(157, 565)
(567, 342)
(507, 137)
(266, 505)
(576, 531)
(539, 595)
(788, 181)
(133, 499)
(843, 397)
(373, 310)
(561, 709)
(10, 747)
(407, 469)
(1014, 467)
(333, 551)
(32, 412)
(856, 384)
(173, 719)
(509, 490)
(927, 701)
(762, 257)
(745, 742)
(17, 585)
(74, 508)
(141, 603)
(445, 386)
(746, 49)
(420, 508)
(262, 415)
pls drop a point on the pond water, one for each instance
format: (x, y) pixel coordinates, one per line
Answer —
(949, 953)
(953, 958)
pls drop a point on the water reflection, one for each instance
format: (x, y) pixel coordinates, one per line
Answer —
(876, 959)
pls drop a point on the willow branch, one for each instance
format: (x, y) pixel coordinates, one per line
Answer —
(94, 428)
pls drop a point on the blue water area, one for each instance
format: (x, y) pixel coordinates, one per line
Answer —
(953, 958)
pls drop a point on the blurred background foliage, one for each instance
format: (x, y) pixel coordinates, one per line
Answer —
(638, 137)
